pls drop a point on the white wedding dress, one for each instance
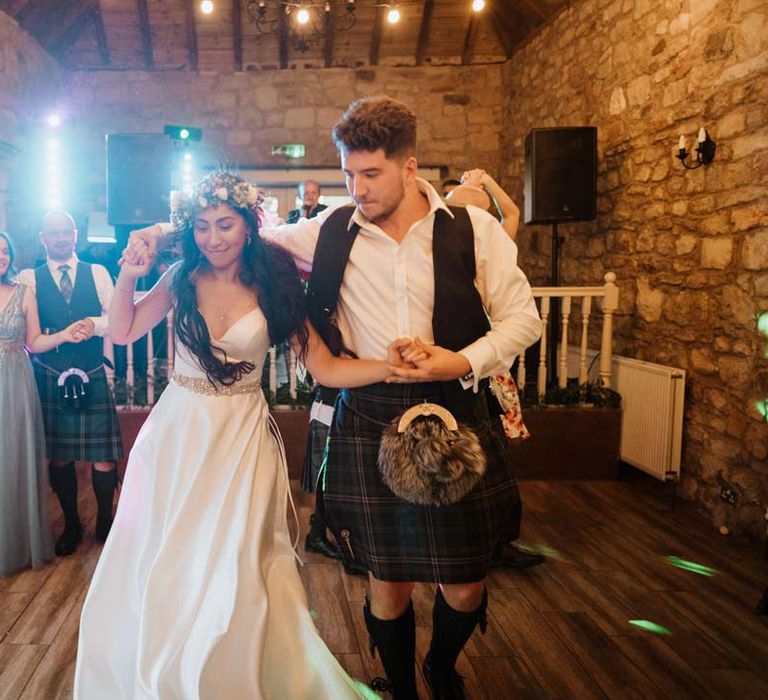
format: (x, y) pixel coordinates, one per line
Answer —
(196, 593)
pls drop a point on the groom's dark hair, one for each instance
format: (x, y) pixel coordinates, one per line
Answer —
(371, 123)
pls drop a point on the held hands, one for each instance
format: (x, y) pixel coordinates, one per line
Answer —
(474, 178)
(141, 251)
(78, 331)
(413, 360)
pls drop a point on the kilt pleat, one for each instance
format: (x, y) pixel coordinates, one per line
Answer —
(88, 435)
(402, 541)
(313, 456)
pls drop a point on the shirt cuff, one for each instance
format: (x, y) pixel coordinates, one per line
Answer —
(100, 325)
(481, 357)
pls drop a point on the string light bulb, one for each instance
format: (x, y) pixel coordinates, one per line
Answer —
(478, 5)
(393, 16)
(302, 16)
(206, 7)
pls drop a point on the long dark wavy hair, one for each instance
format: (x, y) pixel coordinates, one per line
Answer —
(268, 270)
(10, 273)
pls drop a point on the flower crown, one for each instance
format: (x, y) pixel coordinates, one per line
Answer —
(212, 191)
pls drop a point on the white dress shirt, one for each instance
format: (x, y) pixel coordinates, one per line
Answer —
(388, 288)
(101, 279)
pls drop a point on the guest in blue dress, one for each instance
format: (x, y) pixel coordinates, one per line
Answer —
(25, 531)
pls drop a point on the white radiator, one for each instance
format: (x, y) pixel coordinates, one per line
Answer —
(652, 411)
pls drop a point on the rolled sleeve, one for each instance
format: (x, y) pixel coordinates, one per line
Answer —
(299, 239)
(508, 300)
(104, 289)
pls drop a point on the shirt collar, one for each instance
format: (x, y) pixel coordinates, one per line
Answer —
(434, 199)
(53, 265)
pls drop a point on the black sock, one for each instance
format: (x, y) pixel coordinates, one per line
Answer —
(64, 485)
(396, 642)
(451, 629)
(104, 485)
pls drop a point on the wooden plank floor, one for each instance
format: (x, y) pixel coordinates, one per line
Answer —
(560, 630)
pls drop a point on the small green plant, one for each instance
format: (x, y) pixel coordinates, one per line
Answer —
(590, 394)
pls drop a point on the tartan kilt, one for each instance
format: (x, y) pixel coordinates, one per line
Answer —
(402, 541)
(313, 455)
(89, 435)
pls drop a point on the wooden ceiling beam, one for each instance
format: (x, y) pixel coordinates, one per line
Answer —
(191, 34)
(282, 36)
(330, 37)
(378, 21)
(70, 36)
(426, 20)
(101, 37)
(61, 27)
(535, 9)
(146, 34)
(501, 28)
(13, 7)
(37, 13)
(469, 36)
(237, 33)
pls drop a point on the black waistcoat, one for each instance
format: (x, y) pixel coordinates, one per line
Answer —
(56, 314)
(458, 315)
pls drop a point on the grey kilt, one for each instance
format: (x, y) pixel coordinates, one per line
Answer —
(402, 541)
(89, 435)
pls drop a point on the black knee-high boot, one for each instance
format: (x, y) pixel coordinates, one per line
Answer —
(396, 642)
(104, 485)
(451, 630)
(64, 485)
(317, 541)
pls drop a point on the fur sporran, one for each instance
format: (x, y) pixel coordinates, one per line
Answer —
(428, 463)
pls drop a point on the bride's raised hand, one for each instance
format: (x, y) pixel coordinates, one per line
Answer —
(135, 263)
(143, 243)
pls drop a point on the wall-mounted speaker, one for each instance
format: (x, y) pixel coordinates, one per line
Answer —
(561, 175)
(138, 178)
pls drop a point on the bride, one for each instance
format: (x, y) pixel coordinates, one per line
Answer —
(196, 593)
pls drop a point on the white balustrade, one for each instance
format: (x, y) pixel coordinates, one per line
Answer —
(608, 294)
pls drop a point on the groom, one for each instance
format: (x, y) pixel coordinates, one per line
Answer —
(402, 263)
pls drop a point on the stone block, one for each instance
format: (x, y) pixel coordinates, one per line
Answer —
(740, 305)
(703, 362)
(266, 97)
(736, 372)
(754, 250)
(751, 216)
(300, 118)
(649, 301)
(716, 224)
(716, 253)
(685, 244)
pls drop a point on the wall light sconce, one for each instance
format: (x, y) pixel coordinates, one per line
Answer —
(705, 150)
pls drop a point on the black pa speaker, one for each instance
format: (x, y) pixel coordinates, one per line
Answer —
(561, 175)
(138, 178)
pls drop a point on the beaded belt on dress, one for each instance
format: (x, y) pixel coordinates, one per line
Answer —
(203, 386)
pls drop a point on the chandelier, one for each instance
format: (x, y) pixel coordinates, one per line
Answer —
(303, 22)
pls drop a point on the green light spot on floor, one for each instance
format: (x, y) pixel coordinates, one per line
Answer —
(313, 614)
(543, 549)
(762, 323)
(762, 407)
(691, 566)
(649, 626)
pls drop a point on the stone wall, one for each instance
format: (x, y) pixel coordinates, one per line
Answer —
(243, 115)
(690, 248)
(28, 77)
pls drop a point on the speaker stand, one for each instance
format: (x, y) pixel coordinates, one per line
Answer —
(553, 336)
